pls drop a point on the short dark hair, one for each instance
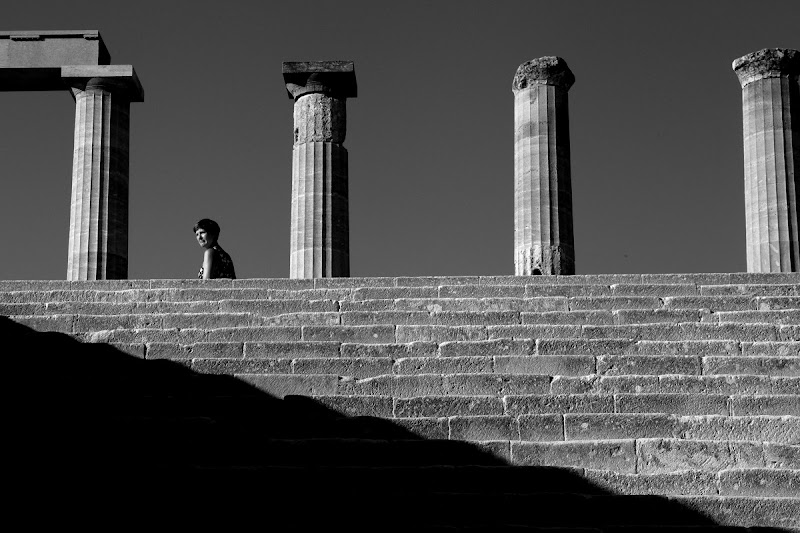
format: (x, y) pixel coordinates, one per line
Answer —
(208, 225)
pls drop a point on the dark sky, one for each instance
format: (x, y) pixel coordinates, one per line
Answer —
(655, 120)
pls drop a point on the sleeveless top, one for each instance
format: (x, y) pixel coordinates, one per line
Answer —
(223, 265)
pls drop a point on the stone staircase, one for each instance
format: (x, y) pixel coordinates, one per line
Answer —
(658, 402)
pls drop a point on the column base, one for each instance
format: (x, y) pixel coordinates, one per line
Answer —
(546, 260)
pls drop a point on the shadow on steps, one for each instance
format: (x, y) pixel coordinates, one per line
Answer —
(99, 437)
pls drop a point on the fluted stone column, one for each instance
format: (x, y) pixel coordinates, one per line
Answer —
(543, 237)
(771, 128)
(98, 232)
(320, 240)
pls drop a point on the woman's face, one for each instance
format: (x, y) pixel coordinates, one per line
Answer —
(204, 239)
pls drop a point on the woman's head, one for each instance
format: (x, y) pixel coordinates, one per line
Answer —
(206, 231)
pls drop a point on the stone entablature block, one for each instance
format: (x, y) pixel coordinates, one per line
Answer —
(52, 48)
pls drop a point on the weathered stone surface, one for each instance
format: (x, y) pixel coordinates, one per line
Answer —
(372, 293)
(541, 427)
(380, 406)
(735, 384)
(772, 303)
(712, 303)
(292, 350)
(393, 351)
(543, 235)
(779, 429)
(568, 317)
(616, 365)
(558, 403)
(443, 365)
(547, 365)
(481, 291)
(482, 428)
(440, 333)
(770, 289)
(408, 386)
(669, 483)
(202, 350)
(488, 348)
(739, 512)
(428, 406)
(58, 323)
(657, 456)
(651, 316)
(606, 426)
(584, 346)
(615, 455)
(684, 347)
(495, 384)
(534, 331)
(773, 404)
(222, 366)
(781, 349)
(768, 366)
(349, 334)
(678, 404)
(280, 385)
(613, 302)
(670, 289)
(767, 63)
(360, 367)
(427, 428)
(300, 319)
(547, 70)
(764, 482)
(782, 456)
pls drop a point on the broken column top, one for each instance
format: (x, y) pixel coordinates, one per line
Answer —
(335, 78)
(53, 48)
(547, 70)
(767, 63)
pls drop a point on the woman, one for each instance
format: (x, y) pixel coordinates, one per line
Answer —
(216, 261)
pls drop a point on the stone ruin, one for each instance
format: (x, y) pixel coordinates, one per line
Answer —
(579, 404)
(543, 231)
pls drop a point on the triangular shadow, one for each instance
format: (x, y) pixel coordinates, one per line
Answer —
(100, 437)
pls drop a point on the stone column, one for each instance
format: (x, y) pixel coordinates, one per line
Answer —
(771, 127)
(543, 238)
(98, 230)
(320, 235)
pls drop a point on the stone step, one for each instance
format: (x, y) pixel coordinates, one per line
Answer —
(402, 334)
(211, 290)
(568, 427)
(485, 384)
(297, 284)
(36, 304)
(549, 365)
(329, 316)
(480, 349)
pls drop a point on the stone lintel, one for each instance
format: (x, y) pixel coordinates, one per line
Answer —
(767, 63)
(547, 70)
(52, 48)
(335, 78)
(115, 76)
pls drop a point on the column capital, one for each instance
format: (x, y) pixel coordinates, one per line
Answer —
(547, 70)
(334, 78)
(113, 77)
(767, 63)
